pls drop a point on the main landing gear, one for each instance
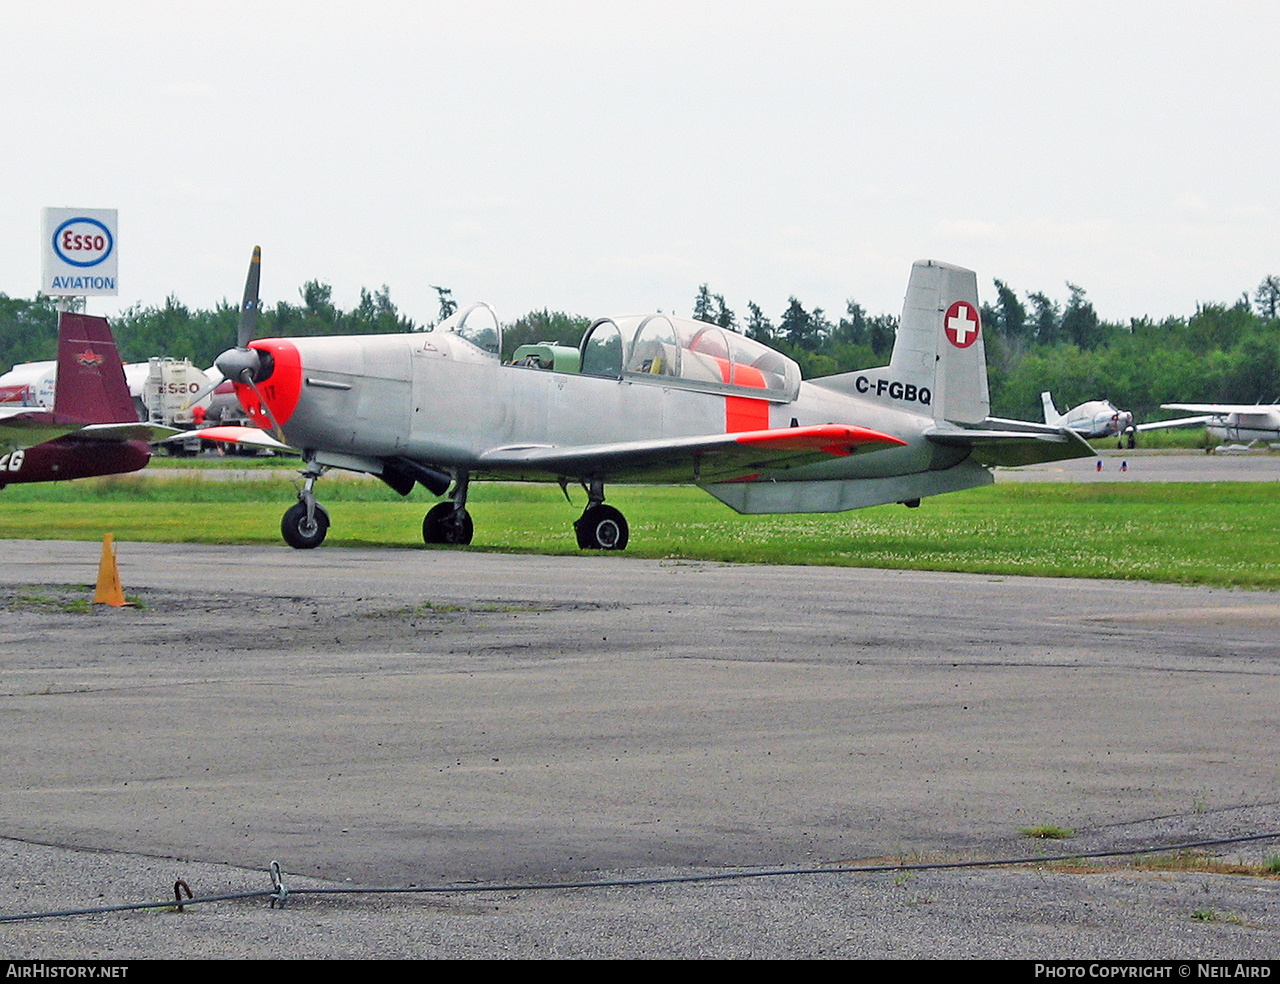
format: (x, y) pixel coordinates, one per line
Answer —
(600, 527)
(449, 522)
(306, 523)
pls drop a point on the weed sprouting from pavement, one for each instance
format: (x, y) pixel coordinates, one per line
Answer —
(1048, 832)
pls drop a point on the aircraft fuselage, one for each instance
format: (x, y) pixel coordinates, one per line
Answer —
(1262, 425)
(431, 400)
(642, 399)
(66, 458)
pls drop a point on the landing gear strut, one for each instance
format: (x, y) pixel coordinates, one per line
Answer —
(600, 527)
(449, 522)
(306, 522)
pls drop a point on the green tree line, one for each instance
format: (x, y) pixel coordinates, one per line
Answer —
(1221, 353)
(29, 329)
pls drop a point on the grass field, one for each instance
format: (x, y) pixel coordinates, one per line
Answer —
(1180, 437)
(1194, 533)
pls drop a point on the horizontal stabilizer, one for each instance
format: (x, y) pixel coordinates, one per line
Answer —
(705, 458)
(1011, 443)
(25, 427)
(151, 433)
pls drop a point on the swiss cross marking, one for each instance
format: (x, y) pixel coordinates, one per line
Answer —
(962, 324)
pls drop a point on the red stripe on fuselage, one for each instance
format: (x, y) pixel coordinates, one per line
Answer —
(743, 413)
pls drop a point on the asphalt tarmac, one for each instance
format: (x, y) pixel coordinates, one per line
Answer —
(445, 718)
(1150, 465)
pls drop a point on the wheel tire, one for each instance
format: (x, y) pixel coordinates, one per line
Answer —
(601, 528)
(300, 534)
(443, 525)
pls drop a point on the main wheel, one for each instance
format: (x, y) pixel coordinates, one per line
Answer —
(299, 533)
(601, 528)
(444, 524)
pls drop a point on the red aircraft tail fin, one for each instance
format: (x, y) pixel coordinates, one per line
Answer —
(91, 385)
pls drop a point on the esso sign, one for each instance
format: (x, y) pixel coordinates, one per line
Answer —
(80, 257)
(83, 242)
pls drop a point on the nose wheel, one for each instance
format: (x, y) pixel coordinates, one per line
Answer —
(306, 522)
(301, 531)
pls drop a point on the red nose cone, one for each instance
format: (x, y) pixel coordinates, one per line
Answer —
(280, 390)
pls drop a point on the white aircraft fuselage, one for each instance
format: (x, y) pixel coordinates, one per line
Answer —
(1092, 419)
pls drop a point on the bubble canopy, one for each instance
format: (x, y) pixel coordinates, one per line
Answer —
(693, 354)
(478, 324)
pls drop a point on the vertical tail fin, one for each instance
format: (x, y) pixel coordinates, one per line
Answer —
(1051, 415)
(91, 385)
(939, 343)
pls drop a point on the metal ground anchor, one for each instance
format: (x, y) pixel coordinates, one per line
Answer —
(280, 893)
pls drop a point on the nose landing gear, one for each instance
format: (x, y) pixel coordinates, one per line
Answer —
(306, 523)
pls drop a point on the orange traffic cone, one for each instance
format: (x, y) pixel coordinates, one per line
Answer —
(109, 591)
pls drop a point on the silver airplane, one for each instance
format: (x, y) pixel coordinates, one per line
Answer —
(1242, 422)
(1094, 419)
(643, 399)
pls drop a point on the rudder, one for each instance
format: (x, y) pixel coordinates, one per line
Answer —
(939, 342)
(91, 385)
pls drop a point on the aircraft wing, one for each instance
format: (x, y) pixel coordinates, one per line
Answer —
(1218, 409)
(249, 436)
(1248, 416)
(1179, 422)
(705, 458)
(1013, 442)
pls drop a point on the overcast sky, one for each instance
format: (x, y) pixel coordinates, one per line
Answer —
(605, 158)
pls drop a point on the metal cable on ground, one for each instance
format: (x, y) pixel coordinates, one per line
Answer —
(278, 893)
(783, 872)
(169, 904)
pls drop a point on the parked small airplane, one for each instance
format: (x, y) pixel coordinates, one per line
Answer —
(1241, 422)
(92, 428)
(1097, 418)
(650, 398)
